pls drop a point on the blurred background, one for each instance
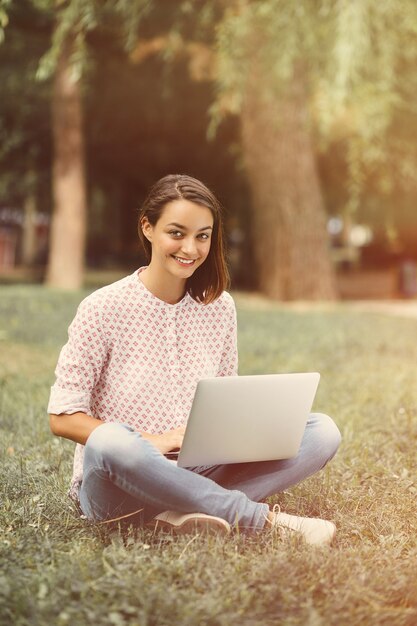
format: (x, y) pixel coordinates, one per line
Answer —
(301, 116)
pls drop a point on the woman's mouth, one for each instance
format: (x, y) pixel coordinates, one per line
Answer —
(185, 262)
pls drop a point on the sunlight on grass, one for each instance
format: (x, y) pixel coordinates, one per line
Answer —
(58, 569)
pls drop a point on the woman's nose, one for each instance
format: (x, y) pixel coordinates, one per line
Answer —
(189, 247)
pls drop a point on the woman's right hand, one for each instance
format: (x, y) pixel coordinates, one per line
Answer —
(167, 441)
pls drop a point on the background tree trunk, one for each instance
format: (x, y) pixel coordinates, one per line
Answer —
(290, 239)
(29, 240)
(68, 227)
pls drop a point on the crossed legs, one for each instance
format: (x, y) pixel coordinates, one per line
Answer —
(124, 473)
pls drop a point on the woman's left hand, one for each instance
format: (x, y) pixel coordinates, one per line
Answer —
(168, 441)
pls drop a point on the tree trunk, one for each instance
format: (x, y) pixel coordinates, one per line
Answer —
(29, 242)
(68, 227)
(290, 239)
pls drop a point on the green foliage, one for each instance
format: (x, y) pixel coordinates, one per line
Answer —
(74, 19)
(351, 50)
(58, 569)
(4, 18)
(358, 59)
(131, 14)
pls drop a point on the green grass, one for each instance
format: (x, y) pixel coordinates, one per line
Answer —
(57, 569)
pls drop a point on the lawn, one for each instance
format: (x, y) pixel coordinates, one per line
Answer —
(55, 568)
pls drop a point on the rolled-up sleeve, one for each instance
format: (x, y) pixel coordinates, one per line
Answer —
(80, 362)
(229, 361)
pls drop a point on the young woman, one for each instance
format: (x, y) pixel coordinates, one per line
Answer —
(126, 379)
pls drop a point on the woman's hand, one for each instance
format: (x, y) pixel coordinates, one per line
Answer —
(168, 441)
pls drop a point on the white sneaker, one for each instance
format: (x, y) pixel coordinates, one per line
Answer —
(313, 530)
(190, 523)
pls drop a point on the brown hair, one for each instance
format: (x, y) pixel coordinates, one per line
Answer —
(212, 277)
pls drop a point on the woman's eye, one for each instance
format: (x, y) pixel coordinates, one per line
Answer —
(204, 236)
(175, 233)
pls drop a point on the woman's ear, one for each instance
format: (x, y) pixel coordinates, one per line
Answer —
(147, 228)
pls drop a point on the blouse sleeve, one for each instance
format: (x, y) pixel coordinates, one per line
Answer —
(80, 362)
(229, 361)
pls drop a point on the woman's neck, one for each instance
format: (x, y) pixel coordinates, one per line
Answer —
(168, 290)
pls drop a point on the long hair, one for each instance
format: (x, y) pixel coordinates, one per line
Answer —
(212, 277)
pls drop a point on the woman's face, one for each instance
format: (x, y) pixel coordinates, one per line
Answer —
(181, 238)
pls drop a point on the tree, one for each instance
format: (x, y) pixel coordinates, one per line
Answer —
(66, 62)
(299, 74)
(290, 239)
(68, 227)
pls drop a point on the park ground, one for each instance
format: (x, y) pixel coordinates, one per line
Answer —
(58, 569)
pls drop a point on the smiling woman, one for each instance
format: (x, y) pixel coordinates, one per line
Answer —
(181, 241)
(127, 377)
(186, 210)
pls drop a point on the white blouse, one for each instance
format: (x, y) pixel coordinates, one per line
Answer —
(135, 359)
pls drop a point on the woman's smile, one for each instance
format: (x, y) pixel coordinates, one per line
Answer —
(183, 261)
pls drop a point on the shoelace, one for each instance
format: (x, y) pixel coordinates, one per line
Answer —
(276, 509)
(283, 530)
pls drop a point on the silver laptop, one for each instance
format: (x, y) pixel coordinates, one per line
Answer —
(237, 419)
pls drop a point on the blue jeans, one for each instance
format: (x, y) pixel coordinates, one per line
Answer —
(124, 473)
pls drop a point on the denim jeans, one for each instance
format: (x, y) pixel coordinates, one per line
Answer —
(124, 473)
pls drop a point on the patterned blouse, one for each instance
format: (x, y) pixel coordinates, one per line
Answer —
(135, 359)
